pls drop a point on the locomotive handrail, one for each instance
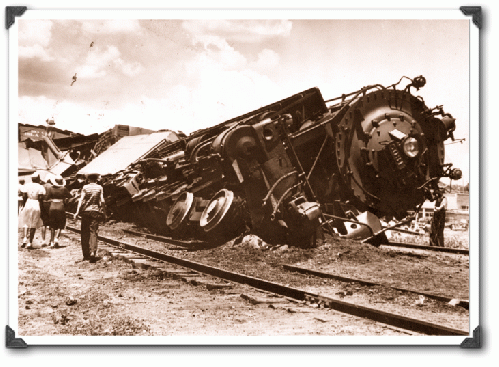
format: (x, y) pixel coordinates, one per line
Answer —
(318, 155)
(427, 182)
(272, 216)
(275, 185)
(364, 89)
(290, 145)
(295, 156)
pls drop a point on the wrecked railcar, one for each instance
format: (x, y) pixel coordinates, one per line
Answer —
(294, 168)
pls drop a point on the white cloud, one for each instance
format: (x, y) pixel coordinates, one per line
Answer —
(98, 61)
(129, 69)
(219, 94)
(219, 57)
(218, 54)
(225, 87)
(34, 32)
(267, 59)
(38, 51)
(239, 30)
(34, 38)
(226, 84)
(111, 26)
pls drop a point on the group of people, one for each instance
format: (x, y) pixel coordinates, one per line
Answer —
(42, 204)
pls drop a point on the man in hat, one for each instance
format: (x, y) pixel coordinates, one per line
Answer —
(92, 209)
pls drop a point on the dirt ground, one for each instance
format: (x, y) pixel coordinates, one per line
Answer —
(423, 271)
(58, 295)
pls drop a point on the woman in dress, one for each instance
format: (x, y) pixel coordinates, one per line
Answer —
(56, 195)
(91, 208)
(29, 218)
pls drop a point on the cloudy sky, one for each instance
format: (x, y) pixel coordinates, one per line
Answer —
(189, 74)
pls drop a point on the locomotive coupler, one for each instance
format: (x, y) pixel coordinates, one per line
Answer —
(305, 211)
(305, 228)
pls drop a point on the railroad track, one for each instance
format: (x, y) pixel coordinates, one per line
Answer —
(428, 248)
(195, 244)
(202, 244)
(444, 299)
(183, 243)
(437, 297)
(147, 257)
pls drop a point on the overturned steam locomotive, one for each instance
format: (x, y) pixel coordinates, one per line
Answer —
(294, 168)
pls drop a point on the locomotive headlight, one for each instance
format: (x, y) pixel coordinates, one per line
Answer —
(411, 147)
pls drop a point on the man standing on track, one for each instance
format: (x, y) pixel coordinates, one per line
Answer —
(438, 223)
(92, 209)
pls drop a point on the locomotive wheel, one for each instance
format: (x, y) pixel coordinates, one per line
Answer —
(216, 210)
(178, 215)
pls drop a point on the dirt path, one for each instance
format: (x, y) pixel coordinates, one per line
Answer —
(58, 296)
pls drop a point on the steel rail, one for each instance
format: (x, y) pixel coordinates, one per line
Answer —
(430, 248)
(200, 244)
(172, 241)
(399, 321)
(463, 303)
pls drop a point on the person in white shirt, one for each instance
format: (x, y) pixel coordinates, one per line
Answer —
(29, 217)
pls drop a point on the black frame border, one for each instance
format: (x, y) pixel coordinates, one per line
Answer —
(11, 12)
(11, 341)
(475, 12)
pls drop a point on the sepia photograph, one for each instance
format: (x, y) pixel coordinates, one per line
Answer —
(256, 177)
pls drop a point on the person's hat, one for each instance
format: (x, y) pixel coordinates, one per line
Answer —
(57, 181)
(93, 176)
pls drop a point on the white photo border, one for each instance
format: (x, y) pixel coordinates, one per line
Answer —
(474, 130)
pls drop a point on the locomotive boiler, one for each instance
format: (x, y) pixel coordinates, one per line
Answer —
(293, 168)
